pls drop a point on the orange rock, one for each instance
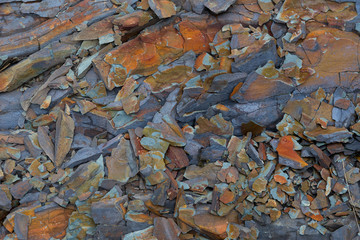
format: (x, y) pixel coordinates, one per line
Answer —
(210, 223)
(280, 179)
(227, 196)
(49, 223)
(194, 38)
(328, 52)
(144, 54)
(287, 155)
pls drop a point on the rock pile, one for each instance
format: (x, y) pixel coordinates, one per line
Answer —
(182, 119)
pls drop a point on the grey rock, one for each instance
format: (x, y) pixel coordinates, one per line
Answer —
(192, 103)
(82, 156)
(21, 225)
(111, 232)
(10, 109)
(197, 6)
(278, 30)
(214, 152)
(258, 59)
(346, 232)
(19, 189)
(218, 6)
(5, 202)
(287, 228)
(30, 197)
(342, 117)
(254, 155)
(45, 8)
(80, 141)
(107, 211)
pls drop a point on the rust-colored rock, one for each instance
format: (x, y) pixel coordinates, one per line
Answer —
(287, 155)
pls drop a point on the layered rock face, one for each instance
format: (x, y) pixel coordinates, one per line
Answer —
(179, 119)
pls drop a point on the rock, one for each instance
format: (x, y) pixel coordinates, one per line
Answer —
(21, 225)
(324, 159)
(45, 8)
(83, 155)
(166, 229)
(108, 211)
(163, 8)
(258, 87)
(36, 64)
(178, 157)
(258, 55)
(122, 164)
(5, 201)
(218, 6)
(49, 221)
(19, 189)
(334, 40)
(46, 143)
(287, 155)
(64, 137)
(84, 180)
(329, 135)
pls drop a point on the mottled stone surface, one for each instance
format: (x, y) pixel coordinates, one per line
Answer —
(191, 119)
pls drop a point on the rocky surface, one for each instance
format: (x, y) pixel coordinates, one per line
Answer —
(179, 119)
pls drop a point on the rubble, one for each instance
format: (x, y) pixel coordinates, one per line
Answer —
(163, 119)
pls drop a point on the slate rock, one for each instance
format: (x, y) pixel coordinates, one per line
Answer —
(218, 6)
(83, 155)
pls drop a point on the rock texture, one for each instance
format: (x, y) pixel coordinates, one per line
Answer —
(168, 119)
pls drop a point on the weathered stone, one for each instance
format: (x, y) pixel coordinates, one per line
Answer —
(5, 201)
(122, 164)
(257, 55)
(329, 135)
(34, 65)
(19, 189)
(46, 143)
(178, 157)
(324, 159)
(64, 137)
(84, 180)
(163, 8)
(83, 155)
(218, 6)
(166, 229)
(287, 155)
(108, 211)
(320, 62)
(21, 225)
(45, 8)
(49, 221)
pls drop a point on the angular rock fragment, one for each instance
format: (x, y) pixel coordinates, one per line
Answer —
(5, 201)
(64, 137)
(256, 55)
(108, 211)
(46, 143)
(83, 155)
(166, 229)
(163, 8)
(287, 155)
(84, 180)
(122, 164)
(218, 6)
(45, 8)
(329, 135)
(34, 65)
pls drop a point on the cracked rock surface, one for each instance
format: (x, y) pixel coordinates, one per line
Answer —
(179, 119)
